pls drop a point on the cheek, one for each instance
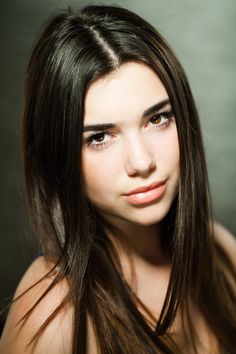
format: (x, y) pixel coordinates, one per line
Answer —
(167, 150)
(99, 170)
(173, 150)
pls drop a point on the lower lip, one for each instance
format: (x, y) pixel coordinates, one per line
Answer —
(146, 197)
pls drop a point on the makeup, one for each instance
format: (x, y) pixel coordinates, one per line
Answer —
(144, 195)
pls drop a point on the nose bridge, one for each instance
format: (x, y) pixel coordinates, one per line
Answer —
(139, 157)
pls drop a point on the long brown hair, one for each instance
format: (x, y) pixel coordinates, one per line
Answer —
(73, 50)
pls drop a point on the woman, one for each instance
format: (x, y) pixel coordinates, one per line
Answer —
(117, 190)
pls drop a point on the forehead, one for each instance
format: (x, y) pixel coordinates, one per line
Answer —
(123, 94)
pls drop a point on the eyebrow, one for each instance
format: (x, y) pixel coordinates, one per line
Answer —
(103, 127)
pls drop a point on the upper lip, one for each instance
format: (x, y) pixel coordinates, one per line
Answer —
(146, 188)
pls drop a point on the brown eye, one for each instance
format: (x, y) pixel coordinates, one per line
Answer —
(99, 141)
(99, 137)
(156, 119)
(161, 119)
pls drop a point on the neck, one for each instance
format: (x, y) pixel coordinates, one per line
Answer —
(144, 247)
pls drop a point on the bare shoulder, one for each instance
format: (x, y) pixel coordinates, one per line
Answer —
(56, 339)
(226, 239)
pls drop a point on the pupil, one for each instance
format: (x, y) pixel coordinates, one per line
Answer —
(99, 137)
(156, 120)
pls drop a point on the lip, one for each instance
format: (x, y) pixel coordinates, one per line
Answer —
(147, 194)
(147, 188)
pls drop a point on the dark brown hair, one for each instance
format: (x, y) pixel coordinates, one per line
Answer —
(74, 49)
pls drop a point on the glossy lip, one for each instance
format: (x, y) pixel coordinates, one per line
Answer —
(145, 189)
(146, 195)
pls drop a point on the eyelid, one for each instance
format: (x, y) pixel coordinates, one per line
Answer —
(166, 110)
(92, 136)
(167, 113)
(94, 133)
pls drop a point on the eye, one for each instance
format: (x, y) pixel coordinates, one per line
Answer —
(98, 138)
(158, 120)
(98, 141)
(161, 119)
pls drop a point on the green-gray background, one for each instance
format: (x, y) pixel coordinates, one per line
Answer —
(202, 34)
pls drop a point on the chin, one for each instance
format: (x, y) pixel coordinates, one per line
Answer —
(148, 221)
(148, 216)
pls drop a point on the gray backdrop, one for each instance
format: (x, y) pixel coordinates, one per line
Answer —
(202, 34)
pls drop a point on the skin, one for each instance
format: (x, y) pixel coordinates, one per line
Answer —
(15, 338)
(135, 153)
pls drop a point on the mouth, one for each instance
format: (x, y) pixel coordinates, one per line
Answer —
(147, 194)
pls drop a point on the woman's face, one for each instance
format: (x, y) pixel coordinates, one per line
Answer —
(130, 153)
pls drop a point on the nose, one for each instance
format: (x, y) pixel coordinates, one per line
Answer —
(139, 158)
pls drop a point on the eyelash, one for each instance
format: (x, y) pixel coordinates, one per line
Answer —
(167, 114)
